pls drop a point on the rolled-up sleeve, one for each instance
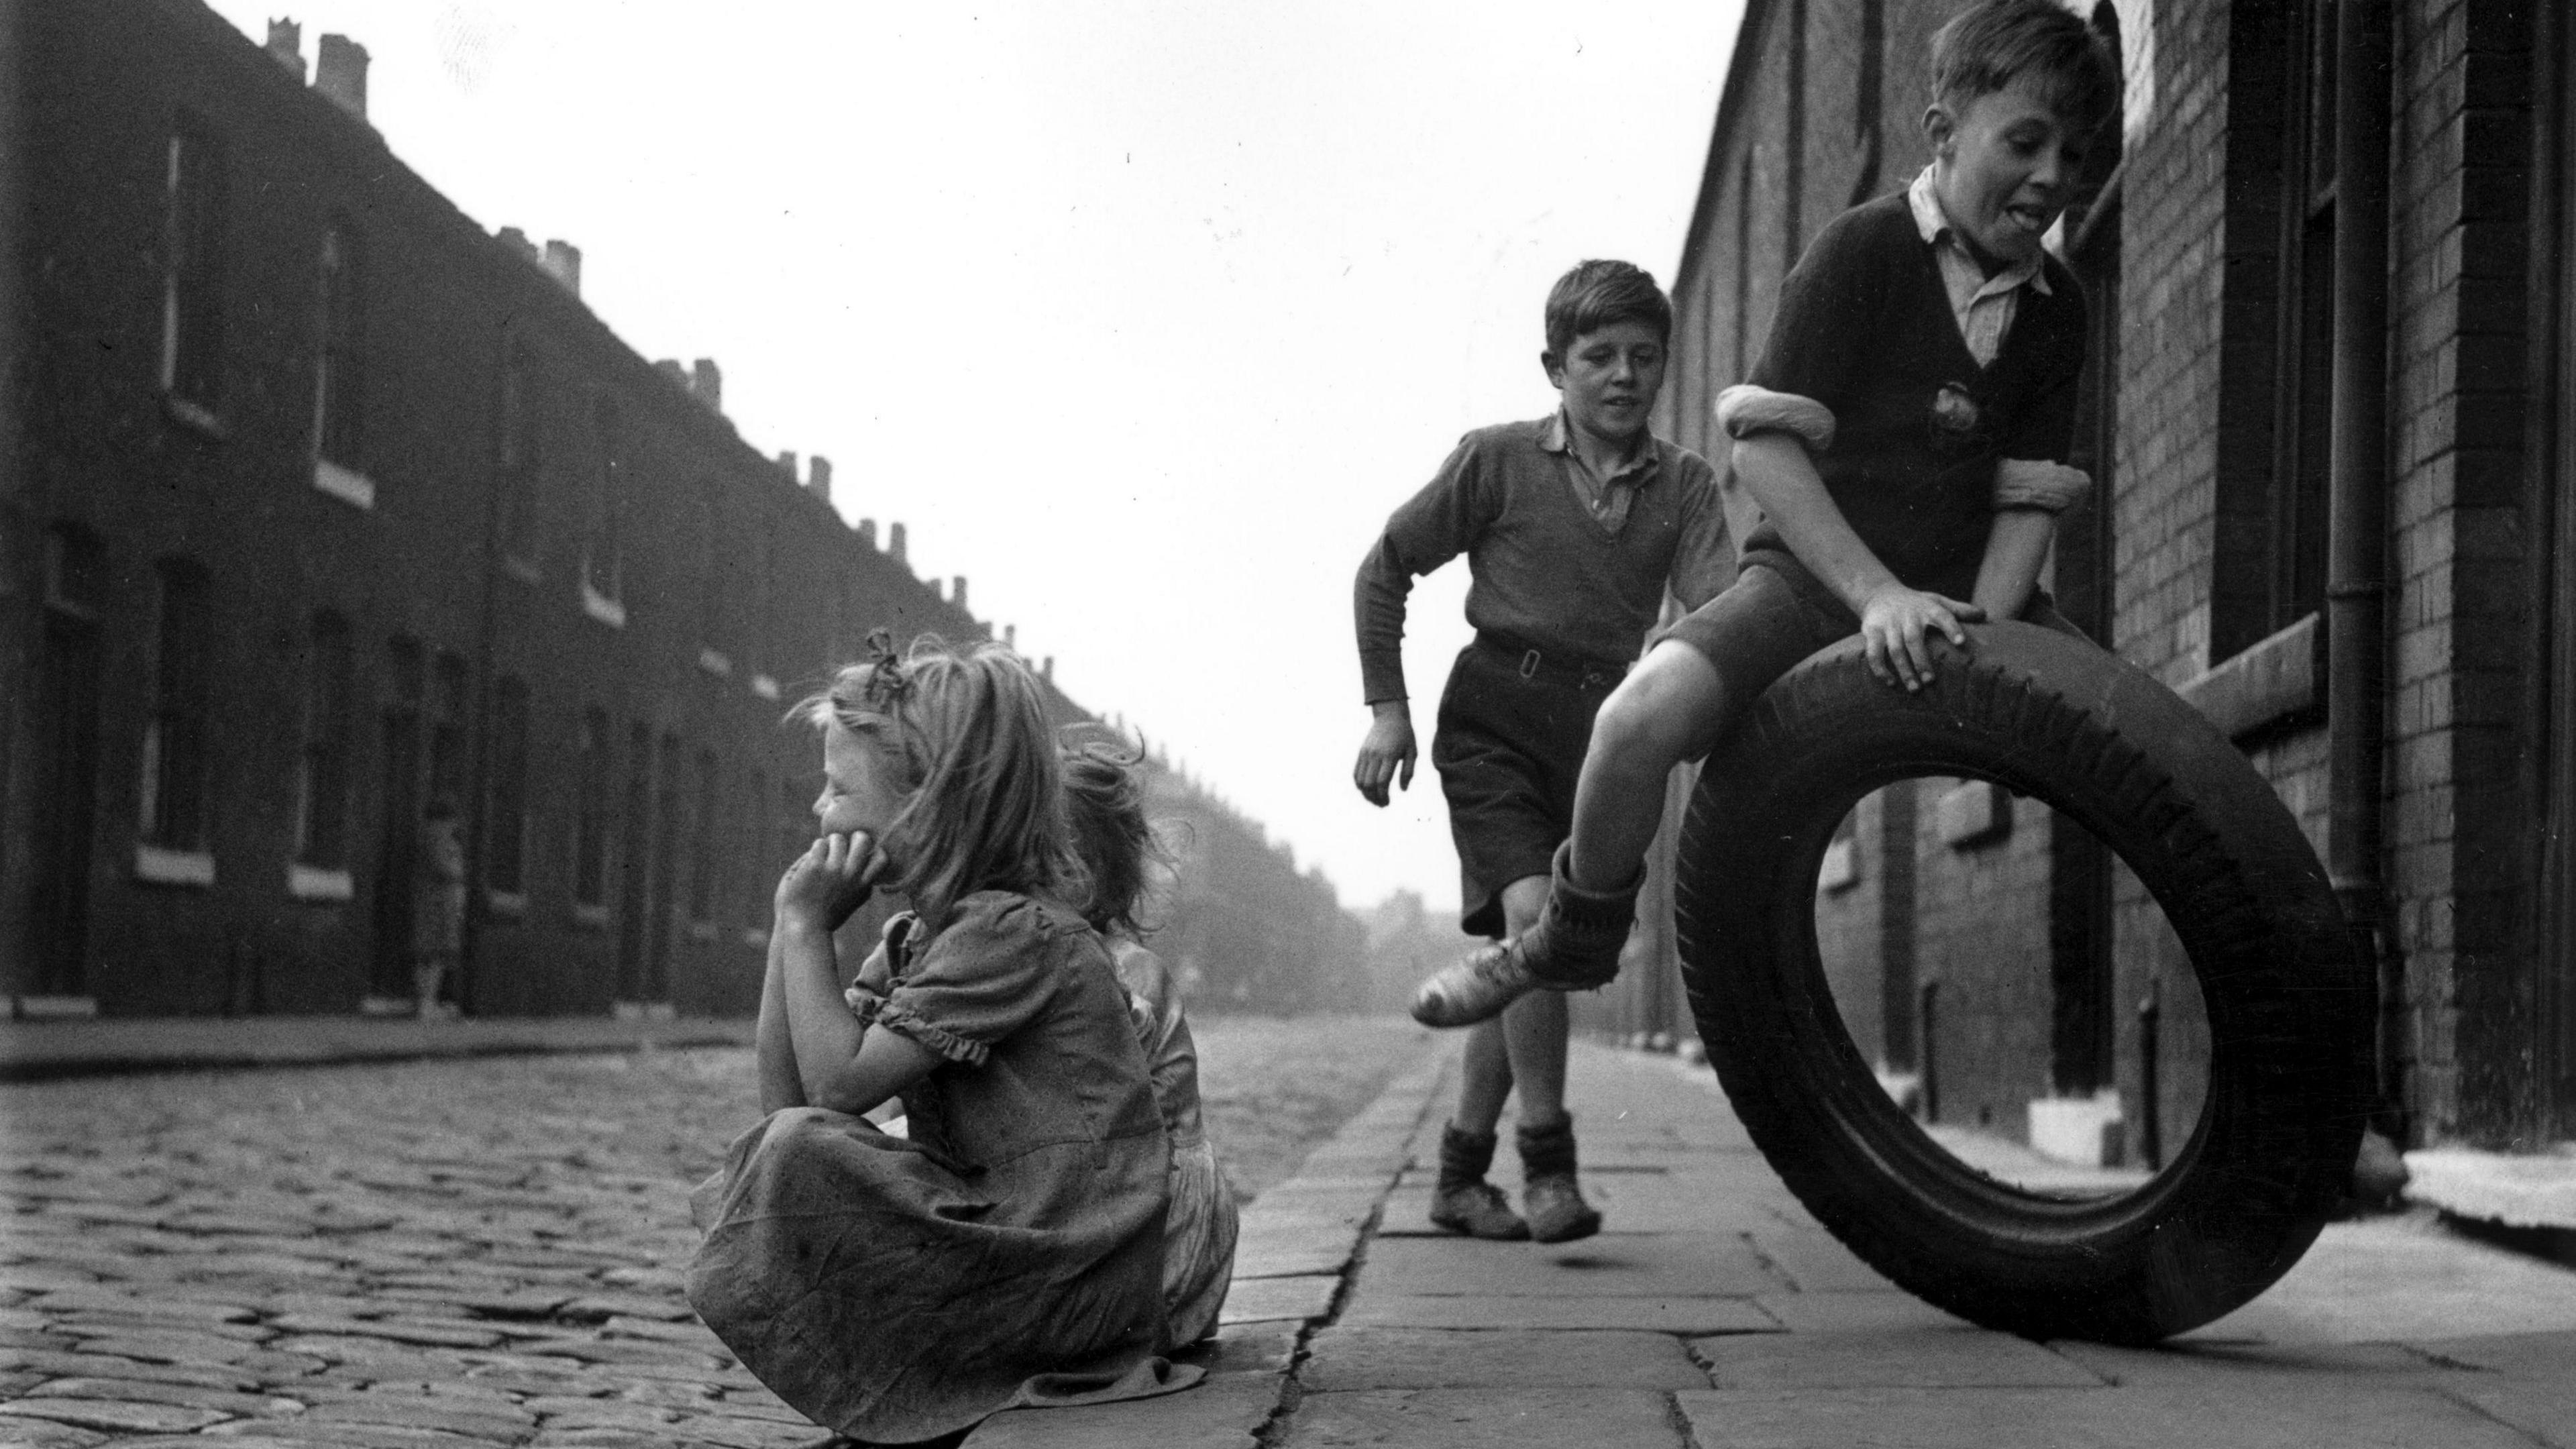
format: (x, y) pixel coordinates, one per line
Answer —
(984, 976)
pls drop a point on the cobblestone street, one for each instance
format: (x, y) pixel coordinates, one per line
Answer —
(432, 1254)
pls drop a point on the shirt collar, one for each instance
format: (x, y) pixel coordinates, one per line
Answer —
(1558, 437)
(1933, 224)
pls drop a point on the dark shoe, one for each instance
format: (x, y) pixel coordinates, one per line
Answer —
(1465, 1202)
(1472, 989)
(1575, 945)
(1479, 1210)
(1550, 1196)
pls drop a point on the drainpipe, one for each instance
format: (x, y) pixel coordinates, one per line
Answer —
(2357, 543)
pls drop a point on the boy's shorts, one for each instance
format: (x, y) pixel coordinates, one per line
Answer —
(1776, 613)
(1509, 747)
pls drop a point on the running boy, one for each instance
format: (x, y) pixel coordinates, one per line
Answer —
(1905, 435)
(1573, 527)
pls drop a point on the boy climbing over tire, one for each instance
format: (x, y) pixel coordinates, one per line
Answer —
(1905, 436)
(1573, 526)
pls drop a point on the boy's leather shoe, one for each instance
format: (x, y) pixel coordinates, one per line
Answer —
(1573, 947)
(1472, 989)
(1479, 1210)
(1549, 1195)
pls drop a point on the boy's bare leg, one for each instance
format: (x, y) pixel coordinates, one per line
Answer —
(1464, 1202)
(779, 1084)
(1671, 707)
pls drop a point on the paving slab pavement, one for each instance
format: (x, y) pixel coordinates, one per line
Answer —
(1714, 1313)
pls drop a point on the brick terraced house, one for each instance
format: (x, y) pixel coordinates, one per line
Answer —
(319, 503)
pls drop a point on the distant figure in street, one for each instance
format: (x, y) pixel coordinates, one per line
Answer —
(1905, 434)
(438, 905)
(1574, 526)
(1011, 1251)
(1105, 805)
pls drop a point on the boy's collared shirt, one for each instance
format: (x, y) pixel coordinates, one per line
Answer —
(1606, 499)
(1983, 305)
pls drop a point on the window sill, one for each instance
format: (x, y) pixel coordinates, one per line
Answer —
(1841, 870)
(702, 930)
(521, 569)
(387, 1006)
(314, 883)
(643, 1011)
(715, 663)
(508, 904)
(195, 417)
(159, 865)
(346, 484)
(601, 607)
(53, 1008)
(765, 687)
(755, 936)
(2267, 683)
(1975, 813)
(593, 917)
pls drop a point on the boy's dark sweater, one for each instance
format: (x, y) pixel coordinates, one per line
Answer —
(1545, 573)
(1864, 327)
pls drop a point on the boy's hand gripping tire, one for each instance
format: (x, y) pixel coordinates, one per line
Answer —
(2289, 1003)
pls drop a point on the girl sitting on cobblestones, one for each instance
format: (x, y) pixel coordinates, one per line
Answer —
(1105, 804)
(1011, 1251)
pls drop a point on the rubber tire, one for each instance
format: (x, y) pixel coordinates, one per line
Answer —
(2289, 1003)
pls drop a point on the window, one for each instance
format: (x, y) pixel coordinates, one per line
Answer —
(192, 313)
(338, 392)
(322, 779)
(2270, 567)
(704, 870)
(518, 453)
(447, 687)
(505, 852)
(710, 554)
(175, 768)
(590, 825)
(602, 565)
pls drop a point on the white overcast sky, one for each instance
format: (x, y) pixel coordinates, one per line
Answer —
(1142, 316)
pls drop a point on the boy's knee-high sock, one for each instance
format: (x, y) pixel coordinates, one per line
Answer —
(1465, 1156)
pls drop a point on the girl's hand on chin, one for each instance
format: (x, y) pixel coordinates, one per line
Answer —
(828, 883)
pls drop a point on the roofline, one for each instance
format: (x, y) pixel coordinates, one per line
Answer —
(1730, 104)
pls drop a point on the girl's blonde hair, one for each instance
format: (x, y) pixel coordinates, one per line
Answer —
(968, 734)
(1104, 801)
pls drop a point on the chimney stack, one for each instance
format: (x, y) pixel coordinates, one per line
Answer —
(957, 595)
(563, 259)
(868, 532)
(1011, 637)
(787, 463)
(818, 477)
(340, 72)
(894, 541)
(286, 45)
(517, 241)
(707, 383)
(670, 367)
(1046, 669)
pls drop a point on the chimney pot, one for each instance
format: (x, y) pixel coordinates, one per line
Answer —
(340, 72)
(707, 383)
(563, 259)
(787, 463)
(894, 541)
(868, 532)
(957, 595)
(818, 477)
(286, 44)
